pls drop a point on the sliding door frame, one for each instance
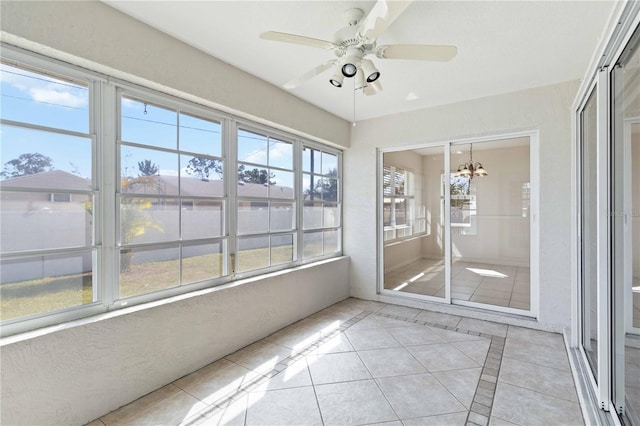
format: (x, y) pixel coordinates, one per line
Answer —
(534, 228)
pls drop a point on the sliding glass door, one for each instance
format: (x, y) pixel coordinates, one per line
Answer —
(490, 212)
(457, 236)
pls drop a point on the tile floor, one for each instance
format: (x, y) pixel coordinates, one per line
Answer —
(360, 362)
(477, 282)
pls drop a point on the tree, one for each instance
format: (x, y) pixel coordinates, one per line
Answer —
(255, 176)
(202, 167)
(147, 168)
(326, 187)
(27, 164)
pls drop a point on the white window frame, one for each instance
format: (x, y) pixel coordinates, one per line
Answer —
(104, 133)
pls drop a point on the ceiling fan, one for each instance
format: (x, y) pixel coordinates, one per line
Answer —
(355, 42)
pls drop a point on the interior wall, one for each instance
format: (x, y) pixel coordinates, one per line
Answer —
(99, 37)
(76, 372)
(546, 109)
(72, 374)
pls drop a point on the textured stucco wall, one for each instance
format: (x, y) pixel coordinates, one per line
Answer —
(546, 109)
(79, 371)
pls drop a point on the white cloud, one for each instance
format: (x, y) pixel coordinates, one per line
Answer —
(41, 88)
(59, 96)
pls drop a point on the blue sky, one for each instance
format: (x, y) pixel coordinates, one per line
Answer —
(47, 101)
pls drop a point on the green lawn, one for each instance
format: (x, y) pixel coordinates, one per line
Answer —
(54, 293)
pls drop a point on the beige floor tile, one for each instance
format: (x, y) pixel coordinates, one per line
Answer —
(390, 362)
(401, 311)
(175, 406)
(453, 336)
(217, 381)
(96, 422)
(231, 413)
(264, 360)
(336, 344)
(295, 375)
(296, 406)
(352, 403)
(496, 421)
(296, 338)
(406, 394)
(481, 326)
(474, 349)
(460, 383)
(375, 338)
(526, 407)
(488, 300)
(549, 381)
(535, 336)
(415, 335)
(520, 305)
(439, 318)
(536, 354)
(455, 419)
(441, 357)
(340, 367)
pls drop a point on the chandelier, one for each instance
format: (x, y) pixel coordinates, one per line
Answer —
(471, 169)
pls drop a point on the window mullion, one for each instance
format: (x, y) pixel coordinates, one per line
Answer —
(108, 168)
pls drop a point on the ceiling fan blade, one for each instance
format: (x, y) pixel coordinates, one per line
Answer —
(309, 75)
(372, 88)
(423, 52)
(381, 16)
(297, 39)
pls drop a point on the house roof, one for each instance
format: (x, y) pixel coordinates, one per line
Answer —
(51, 180)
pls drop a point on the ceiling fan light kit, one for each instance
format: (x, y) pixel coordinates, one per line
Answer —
(356, 41)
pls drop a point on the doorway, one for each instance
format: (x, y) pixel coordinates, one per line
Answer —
(455, 236)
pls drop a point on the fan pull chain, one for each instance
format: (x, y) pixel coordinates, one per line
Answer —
(354, 103)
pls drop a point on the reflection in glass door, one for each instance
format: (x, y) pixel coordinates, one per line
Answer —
(588, 230)
(413, 222)
(490, 213)
(626, 233)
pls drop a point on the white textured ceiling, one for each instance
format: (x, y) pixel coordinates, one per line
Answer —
(503, 46)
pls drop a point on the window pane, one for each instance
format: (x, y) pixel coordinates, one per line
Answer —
(248, 174)
(44, 159)
(252, 148)
(145, 271)
(202, 262)
(204, 169)
(35, 98)
(311, 187)
(253, 253)
(329, 188)
(200, 135)
(147, 171)
(329, 164)
(282, 216)
(148, 220)
(44, 283)
(280, 154)
(253, 217)
(202, 218)
(331, 241)
(281, 249)
(36, 221)
(331, 215)
(145, 123)
(281, 185)
(311, 160)
(312, 244)
(312, 215)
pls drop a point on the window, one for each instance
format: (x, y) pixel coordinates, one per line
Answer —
(322, 209)
(463, 201)
(403, 214)
(172, 197)
(48, 243)
(266, 207)
(111, 194)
